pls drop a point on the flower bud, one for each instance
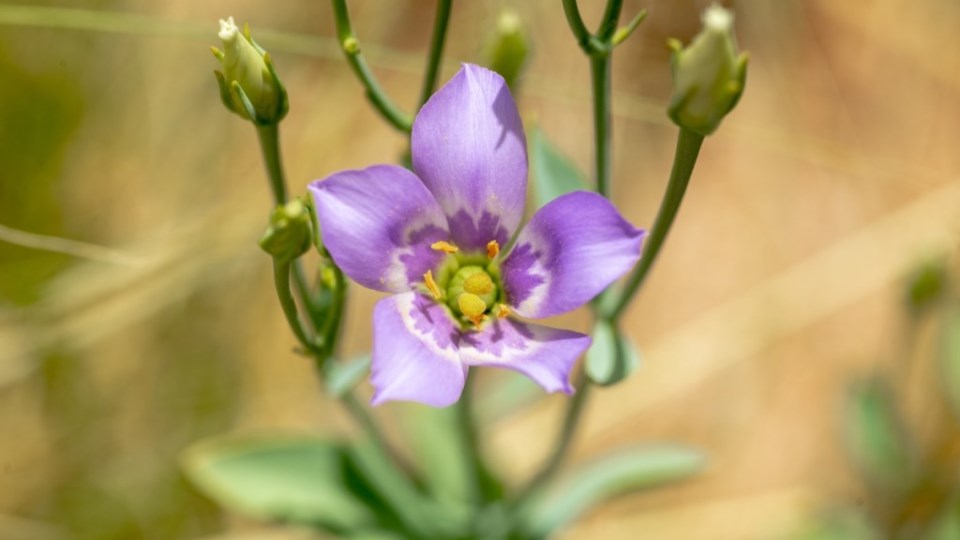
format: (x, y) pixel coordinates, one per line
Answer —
(708, 76)
(248, 83)
(289, 234)
(507, 49)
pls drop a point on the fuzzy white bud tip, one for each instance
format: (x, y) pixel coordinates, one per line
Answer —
(228, 29)
(717, 18)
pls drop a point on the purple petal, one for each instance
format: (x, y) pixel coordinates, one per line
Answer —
(572, 249)
(544, 354)
(415, 352)
(378, 224)
(469, 149)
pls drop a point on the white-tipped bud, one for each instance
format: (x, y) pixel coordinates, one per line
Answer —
(248, 83)
(709, 75)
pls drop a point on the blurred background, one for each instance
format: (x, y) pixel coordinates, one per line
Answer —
(780, 292)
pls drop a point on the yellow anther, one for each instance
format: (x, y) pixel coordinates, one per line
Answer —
(479, 284)
(432, 285)
(493, 249)
(502, 311)
(445, 247)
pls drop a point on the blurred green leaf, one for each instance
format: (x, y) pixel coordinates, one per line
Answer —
(947, 524)
(877, 436)
(345, 376)
(553, 174)
(629, 470)
(926, 285)
(612, 357)
(297, 480)
(846, 524)
(425, 517)
(950, 359)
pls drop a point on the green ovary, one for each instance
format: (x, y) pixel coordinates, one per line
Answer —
(471, 292)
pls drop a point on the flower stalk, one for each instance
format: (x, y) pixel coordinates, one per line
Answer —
(375, 94)
(436, 50)
(685, 157)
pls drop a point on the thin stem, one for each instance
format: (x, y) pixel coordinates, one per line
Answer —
(351, 50)
(331, 329)
(688, 148)
(571, 420)
(269, 137)
(611, 16)
(584, 38)
(372, 429)
(600, 77)
(281, 280)
(436, 50)
(485, 487)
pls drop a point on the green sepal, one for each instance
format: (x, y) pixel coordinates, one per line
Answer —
(224, 91)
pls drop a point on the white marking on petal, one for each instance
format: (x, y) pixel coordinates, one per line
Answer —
(537, 295)
(406, 306)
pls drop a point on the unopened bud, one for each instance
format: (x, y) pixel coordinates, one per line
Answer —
(507, 50)
(248, 83)
(708, 76)
(289, 234)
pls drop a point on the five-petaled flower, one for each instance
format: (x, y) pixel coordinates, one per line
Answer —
(434, 239)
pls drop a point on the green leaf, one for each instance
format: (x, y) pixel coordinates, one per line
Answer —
(629, 470)
(553, 174)
(876, 436)
(612, 357)
(950, 359)
(345, 376)
(289, 479)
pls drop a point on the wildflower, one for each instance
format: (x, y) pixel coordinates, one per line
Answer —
(435, 239)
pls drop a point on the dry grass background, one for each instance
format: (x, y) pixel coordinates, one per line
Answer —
(837, 173)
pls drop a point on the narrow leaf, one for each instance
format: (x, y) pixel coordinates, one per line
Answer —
(553, 174)
(612, 357)
(627, 471)
(950, 359)
(297, 480)
(345, 376)
(876, 435)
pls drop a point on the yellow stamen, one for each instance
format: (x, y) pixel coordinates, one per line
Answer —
(432, 285)
(493, 249)
(445, 247)
(472, 307)
(502, 311)
(478, 284)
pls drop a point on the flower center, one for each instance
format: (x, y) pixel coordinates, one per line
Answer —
(468, 284)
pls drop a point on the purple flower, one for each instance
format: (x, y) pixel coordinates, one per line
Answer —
(433, 239)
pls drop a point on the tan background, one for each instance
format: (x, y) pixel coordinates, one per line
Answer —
(781, 282)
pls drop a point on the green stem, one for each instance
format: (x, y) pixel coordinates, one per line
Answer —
(688, 148)
(600, 77)
(281, 280)
(611, 17)
(331, 329)
(436, 50)
(269, 137)
(585, 39)
(351, 50)
(570, 422)
(485, 487)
